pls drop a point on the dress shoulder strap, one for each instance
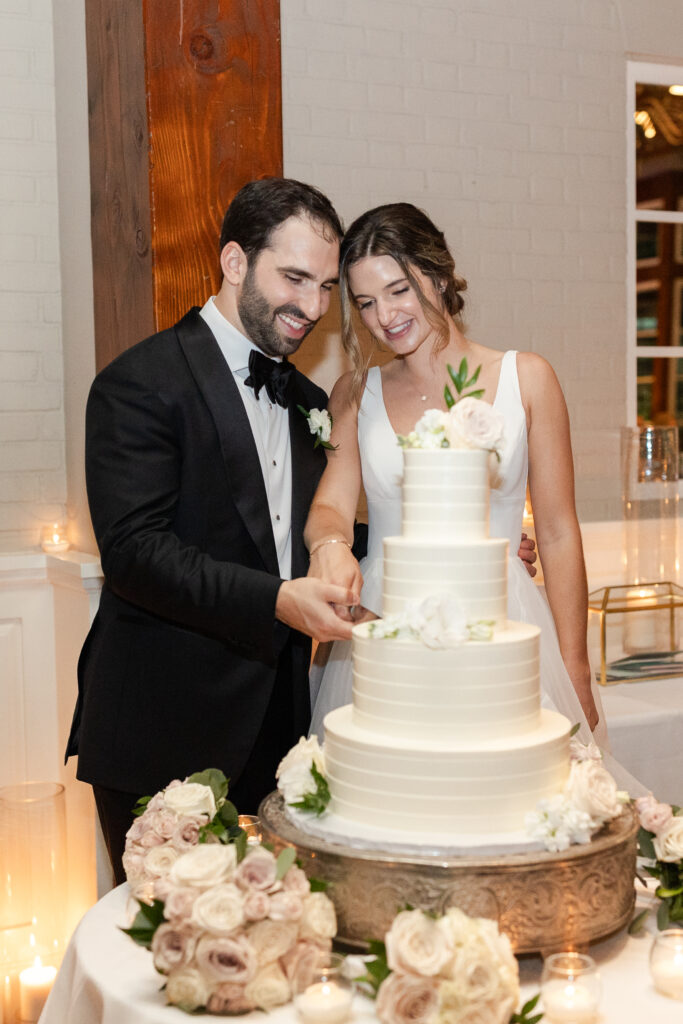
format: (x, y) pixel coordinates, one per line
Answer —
(508, 381)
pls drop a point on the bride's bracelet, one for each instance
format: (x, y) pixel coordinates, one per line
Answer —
(330, 540)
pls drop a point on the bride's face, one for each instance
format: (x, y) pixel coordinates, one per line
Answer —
(388, 304)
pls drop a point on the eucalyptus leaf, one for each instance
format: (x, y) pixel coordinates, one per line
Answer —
(637, 923)
(319, 885)
(286, 858)
(140, 806)
(227, 812)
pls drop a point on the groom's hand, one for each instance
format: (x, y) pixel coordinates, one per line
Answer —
(306, 604)
(527, 552)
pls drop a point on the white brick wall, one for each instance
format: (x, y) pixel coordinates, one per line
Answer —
(32, 443)
(506, 123)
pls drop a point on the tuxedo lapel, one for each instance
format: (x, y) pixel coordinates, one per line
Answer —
(308, 464)
(217, 384)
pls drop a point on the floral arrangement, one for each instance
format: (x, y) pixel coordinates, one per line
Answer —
(660, 844)
(438, 621)
(320, 424)
(447, 970)
(235, 934)
(301, 777)
(174, 821)
(589, 799)
(468, 423)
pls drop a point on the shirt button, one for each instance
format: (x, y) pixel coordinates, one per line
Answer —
(270, 405)
(274, 462)
(278, 518)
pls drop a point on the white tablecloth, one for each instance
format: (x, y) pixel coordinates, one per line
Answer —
(106, 979)
(645, 724)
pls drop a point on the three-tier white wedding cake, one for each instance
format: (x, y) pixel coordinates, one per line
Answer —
(446, 734)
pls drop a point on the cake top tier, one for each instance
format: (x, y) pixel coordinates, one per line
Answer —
(445, 494)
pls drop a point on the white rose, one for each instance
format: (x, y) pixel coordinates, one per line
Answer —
(318, 921)
(439, 620)
(219, 910)
(285, 906)
(669, 843)
(417, 945)
(190, 798)
(591, 788)
(159, 860)
(456, 1008)
(204, 866)
(294, 771)
(474, 424)
(269, 988)
(187, 989)
(320, 423)
(407, 999)
(271, 939)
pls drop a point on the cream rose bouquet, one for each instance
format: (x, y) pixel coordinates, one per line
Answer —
(235, 933)
(172, 822)
(660, 844)
(453, 969)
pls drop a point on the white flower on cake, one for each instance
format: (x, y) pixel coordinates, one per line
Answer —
(591, 788)
(579, 751)
(472, 423)
(557, 823)
(294, 771)
(438, 621)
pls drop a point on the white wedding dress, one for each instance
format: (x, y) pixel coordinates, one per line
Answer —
(382, 467)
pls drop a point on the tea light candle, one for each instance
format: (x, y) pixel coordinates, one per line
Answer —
(325, 1002)
(34, 988)
(54, 539)
(666, 963)
(569, 1002)
(641, 625)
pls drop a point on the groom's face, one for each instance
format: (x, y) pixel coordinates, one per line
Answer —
(288, 285)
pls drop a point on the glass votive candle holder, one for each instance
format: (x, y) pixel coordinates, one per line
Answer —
(322, 994)
(570, 989)
(252, 826)
(666, 963)
(53, 538)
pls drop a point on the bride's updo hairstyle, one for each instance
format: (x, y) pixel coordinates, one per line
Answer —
(405, 233)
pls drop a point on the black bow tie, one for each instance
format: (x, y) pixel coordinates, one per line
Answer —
(275, 377)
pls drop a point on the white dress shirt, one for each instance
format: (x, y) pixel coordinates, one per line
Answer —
(270, 427)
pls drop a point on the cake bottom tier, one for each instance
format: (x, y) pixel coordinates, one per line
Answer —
(403, 784)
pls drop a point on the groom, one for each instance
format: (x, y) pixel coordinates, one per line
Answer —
(200, 471)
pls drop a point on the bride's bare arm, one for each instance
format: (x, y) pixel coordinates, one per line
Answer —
(551, 487)
(328, 534)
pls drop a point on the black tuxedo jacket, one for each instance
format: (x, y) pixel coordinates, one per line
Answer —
(178, 668)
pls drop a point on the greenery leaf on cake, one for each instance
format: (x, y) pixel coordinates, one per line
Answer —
(461, 383)
(315, 802)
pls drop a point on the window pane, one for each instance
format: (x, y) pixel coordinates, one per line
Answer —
(659, 146)
(647, 247)
(660, 391)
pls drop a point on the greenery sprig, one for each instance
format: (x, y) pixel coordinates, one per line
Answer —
(670, 889)
(315, 802)
(461, 383)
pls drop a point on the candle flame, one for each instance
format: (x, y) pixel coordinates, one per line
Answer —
(37, 962)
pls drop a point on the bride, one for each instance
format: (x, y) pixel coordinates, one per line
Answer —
(397, 271)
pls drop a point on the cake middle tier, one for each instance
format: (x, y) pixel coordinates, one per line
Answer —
(488, 689)
(475, 572)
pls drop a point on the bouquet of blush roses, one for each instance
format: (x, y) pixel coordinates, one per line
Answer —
(235, 934)
(660, 843)
(172, 822)
(449, 970)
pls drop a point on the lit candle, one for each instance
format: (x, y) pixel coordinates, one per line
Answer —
(569, 1002)
(641, 625)
(666, 963)
(324, 1003)
(34, 988)
(54, 539)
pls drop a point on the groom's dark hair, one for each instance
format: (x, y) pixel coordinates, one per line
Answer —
(260, 207)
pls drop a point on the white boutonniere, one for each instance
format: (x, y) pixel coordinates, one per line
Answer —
(319, 424)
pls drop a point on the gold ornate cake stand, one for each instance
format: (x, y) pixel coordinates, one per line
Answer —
(543, 901)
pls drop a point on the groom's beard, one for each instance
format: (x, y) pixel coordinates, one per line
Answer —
(259, 320)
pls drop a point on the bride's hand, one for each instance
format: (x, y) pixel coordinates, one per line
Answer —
(334, 563)
(580, 676)
(361, 614)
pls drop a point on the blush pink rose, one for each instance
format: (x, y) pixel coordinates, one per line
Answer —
(226, 958)
(407, 999)
(285, 906)
(185, 835)
(229, 998)
(172, 947)
(258, 870)
(300, 964)
(256, 905)
(653, 815)
(296, 881)
(179, 902)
